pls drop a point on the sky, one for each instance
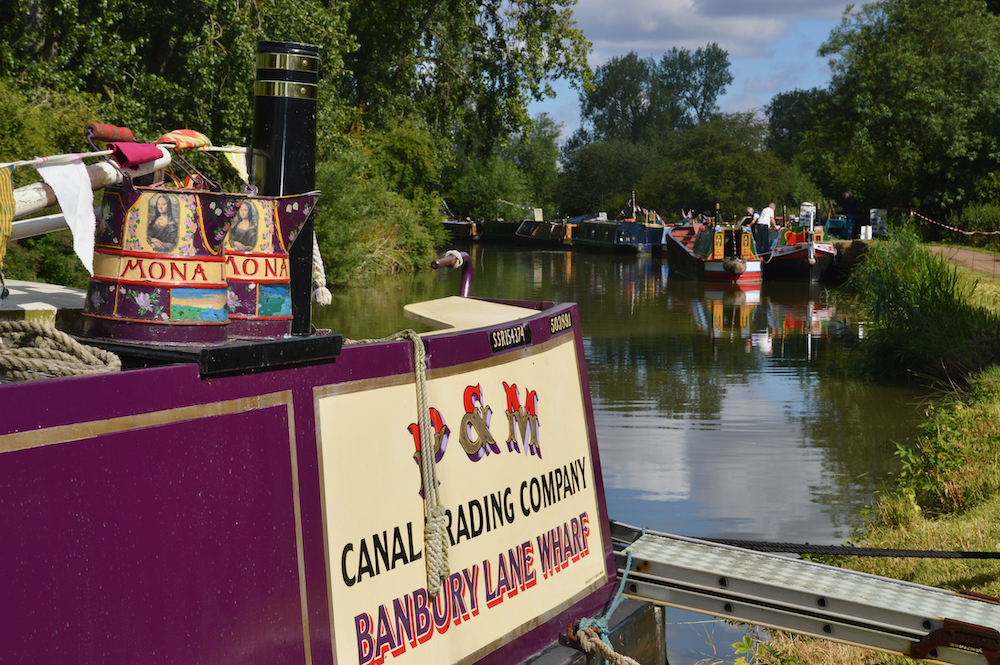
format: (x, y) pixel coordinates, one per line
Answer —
(772, 44)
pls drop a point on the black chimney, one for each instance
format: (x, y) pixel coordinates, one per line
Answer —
(284, 149)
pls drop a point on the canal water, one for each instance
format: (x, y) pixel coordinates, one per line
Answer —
(719, 413)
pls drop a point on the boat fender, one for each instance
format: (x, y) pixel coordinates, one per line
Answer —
(734, 265)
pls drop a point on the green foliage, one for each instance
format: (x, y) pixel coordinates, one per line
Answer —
(601, 176)
(536, 153)
(465, 67)
(721, 161)
(41, 123)
(364, 228)
(920, 317)
(982, 217)
(692, 83)
(636, 99)
(476, 192)
(790, 116)
(618, 106)
(406, 155)
(955, 466)
(914, 103)
(159, 67)
(49, 258)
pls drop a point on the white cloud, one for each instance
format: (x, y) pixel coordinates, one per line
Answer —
(651, 27)
(772, 44)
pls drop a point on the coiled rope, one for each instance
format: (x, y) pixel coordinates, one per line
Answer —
(322, 294)
(435, 533)
(33, 350)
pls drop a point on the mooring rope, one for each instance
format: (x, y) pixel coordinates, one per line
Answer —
(593, 641)
(435, 529)
(32, 350)
(593, 633)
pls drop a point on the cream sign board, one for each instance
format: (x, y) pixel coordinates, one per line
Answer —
(517, 481)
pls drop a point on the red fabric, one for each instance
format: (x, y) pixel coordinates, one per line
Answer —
(131, 155)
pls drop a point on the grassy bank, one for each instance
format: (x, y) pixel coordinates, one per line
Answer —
(948, 494)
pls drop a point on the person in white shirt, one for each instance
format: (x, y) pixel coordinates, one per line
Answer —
(763, 231)
(767, 216)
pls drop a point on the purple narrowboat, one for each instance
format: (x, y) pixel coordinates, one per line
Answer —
(283, 495)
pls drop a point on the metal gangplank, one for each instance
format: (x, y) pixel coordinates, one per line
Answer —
(808, 598)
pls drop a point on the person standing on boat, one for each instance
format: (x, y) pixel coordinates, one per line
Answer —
(850, 210)
(763, 228)
(752, 216)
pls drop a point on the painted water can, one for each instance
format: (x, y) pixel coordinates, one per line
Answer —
(159, 272)
(257, 267)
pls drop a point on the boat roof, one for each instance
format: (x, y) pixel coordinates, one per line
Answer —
(456, 313)
(39, 302)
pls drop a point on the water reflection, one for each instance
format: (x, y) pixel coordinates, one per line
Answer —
(719, 413)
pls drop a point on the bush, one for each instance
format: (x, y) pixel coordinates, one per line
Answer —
(921, 320)
(984, 218)
(41, 124)
(44, 123)
(364, 228)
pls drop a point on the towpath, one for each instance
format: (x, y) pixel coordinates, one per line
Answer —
(977, 260)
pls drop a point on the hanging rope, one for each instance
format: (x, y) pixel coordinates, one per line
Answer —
(435, 528)
(322, 294)
(32, 350)
(435, 535)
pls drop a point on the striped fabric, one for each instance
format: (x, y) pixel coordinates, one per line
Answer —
(6, 212)
(185, 139)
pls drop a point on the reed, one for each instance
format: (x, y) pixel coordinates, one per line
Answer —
(921, 317)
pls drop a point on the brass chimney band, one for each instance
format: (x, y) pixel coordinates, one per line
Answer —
(288, 62)
(291, 89)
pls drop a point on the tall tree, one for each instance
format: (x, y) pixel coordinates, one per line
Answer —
(690, 84)
(915, 104)
(484, 183)
(159, 67)
(637, 99)
(600, 176)
(536, 153)
(720, 161)
(791, 116)
(618, 106)
(470, 65)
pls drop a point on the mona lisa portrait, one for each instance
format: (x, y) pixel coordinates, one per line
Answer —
(163, 223)
(243, 233)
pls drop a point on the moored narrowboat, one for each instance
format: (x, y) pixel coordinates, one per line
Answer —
(558, 234)
(718, 254)
(800, 253)
(598, 233)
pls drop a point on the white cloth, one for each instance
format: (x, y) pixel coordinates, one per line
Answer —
(71, 185)
(767, 217)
